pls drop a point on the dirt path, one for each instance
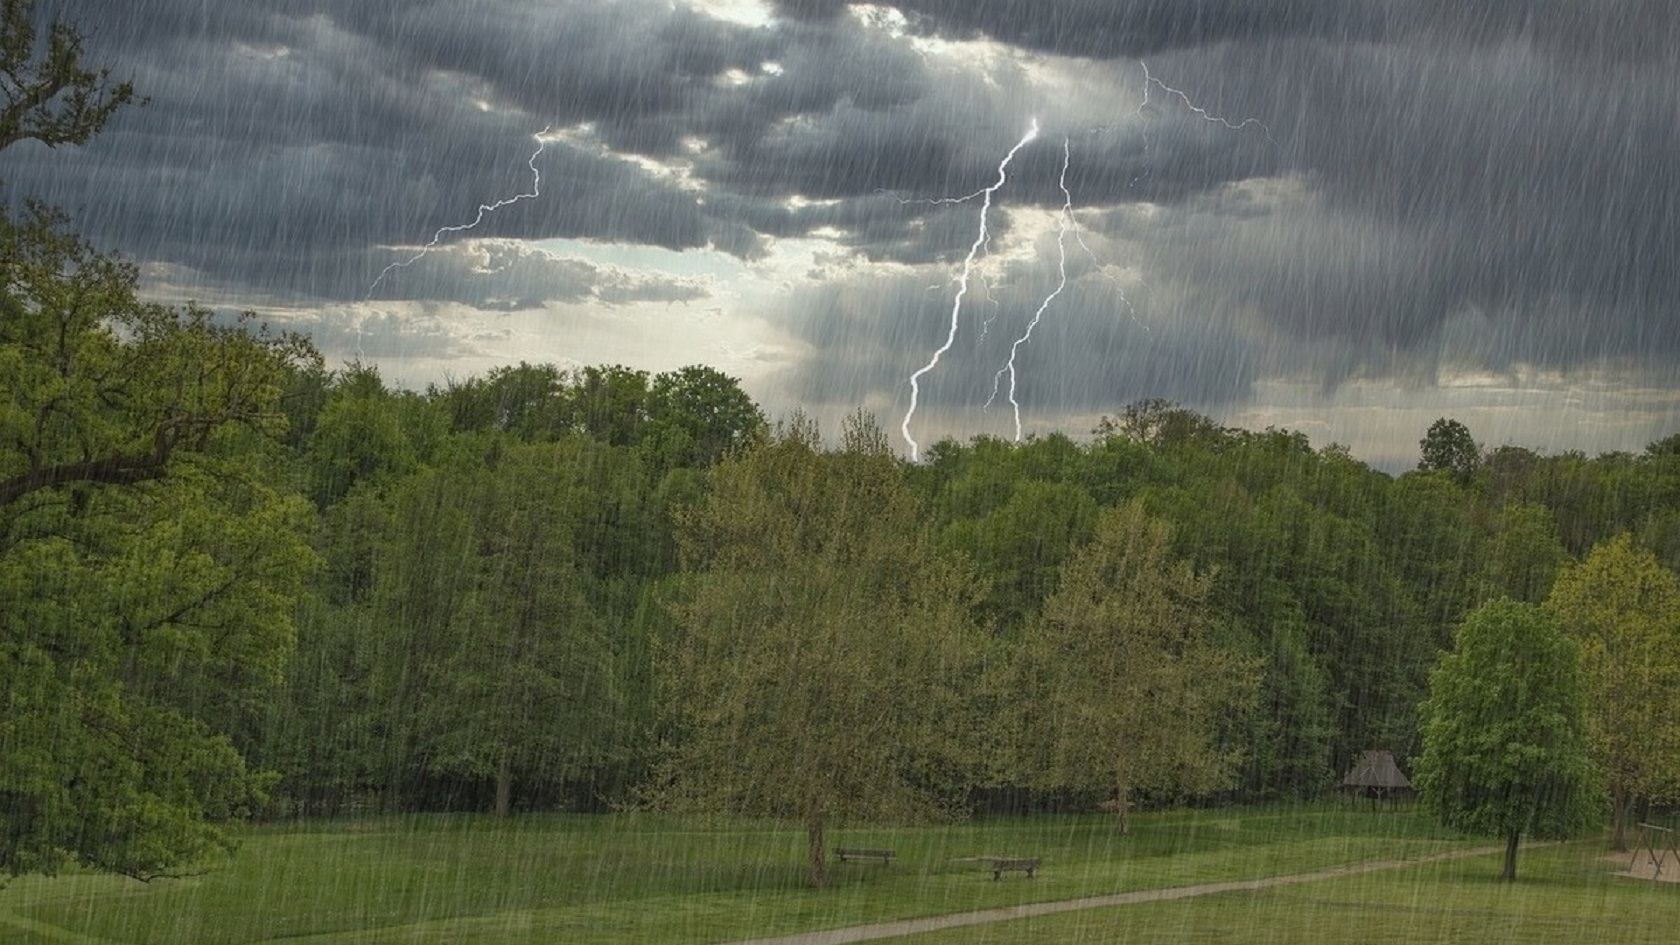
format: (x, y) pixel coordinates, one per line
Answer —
(880, 930)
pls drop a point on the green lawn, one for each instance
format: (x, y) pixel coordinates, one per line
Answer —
(1565, 895)
(643, 879)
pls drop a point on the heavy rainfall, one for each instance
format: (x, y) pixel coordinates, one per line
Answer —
(804, 471)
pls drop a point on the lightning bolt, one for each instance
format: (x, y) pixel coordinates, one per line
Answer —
(1067, 225)
(1149, 79)
(980, 239)
(1119, 288)
(484, 209)
(1065, 218)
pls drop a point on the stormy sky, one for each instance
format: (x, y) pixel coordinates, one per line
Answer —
(1344, 218)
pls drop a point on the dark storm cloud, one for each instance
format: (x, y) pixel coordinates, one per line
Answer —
(509, 275)
(283, 145)
(1619, 30)
(633, 67)
(1440, 180)
(1595, 32)
(1430, 171)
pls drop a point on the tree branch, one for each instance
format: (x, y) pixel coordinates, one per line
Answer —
(30, 86)
(119, 470)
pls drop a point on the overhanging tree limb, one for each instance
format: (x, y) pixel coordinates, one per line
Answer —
(51, 97)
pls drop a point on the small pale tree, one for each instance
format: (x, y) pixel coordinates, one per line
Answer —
(821, 664)
(1125, 687)
(1623, 608)
(1504, 732)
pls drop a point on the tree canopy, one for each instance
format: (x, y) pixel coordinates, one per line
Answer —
(1504, 732)
(1448, 446)
(149, 551)
(1122, 685)
(820, 663)
(1623, 609)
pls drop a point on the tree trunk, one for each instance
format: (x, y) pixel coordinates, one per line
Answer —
(1123, 806)
(1618, 817)
(819, 856)
(1510, 872)
(504, 786)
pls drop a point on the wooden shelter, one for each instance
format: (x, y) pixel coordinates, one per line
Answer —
(1376, 776)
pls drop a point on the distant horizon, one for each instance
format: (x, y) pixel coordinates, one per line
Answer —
(829, 423)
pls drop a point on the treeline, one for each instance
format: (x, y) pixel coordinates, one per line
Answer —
(487, 607)
(505, 561)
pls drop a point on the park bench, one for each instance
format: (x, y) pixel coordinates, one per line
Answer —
(861, 853)
(1020, 864)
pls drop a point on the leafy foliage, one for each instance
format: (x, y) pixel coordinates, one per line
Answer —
(823, 652)
(1121, 685)
(1504, 732)
(49, 95)
(1449, 447)
(1623, 609)
(148, 559)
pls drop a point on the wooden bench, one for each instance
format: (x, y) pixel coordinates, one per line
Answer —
(860, 853)
(1020, 864)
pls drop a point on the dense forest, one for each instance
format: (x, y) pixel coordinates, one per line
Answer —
(507, 566)
(236, 583)
(311, 594)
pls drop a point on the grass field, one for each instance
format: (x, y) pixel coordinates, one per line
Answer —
(1568, 897)
(641, 879)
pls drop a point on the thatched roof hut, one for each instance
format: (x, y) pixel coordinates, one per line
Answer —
(1375, 775)
(1376, 769)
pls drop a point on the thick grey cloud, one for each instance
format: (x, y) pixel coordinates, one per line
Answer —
(1383, 189)
(1134, 28)
(509, 275)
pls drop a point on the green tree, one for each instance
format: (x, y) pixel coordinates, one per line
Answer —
(1523, 556)
(358, 437)
(320, 736)
(1428, 533)
(698, 415)
(527, 400)
(1162, 424)
(610, 403)
(49, 95)
(492, 658)
(1124, 685)
(1504, 732)
(818, 669)
(1449, 446)
(149, 554)
(103, 389)
(1020, 546)
(521, 685)
(1623, 609)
